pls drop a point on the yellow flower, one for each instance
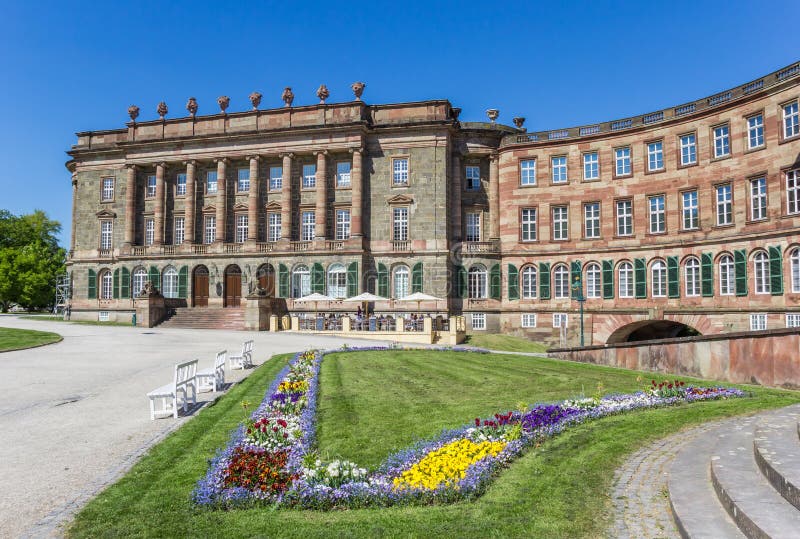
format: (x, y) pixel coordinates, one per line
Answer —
(447, 465)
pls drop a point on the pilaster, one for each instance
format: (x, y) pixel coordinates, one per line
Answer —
(286, 198)
(322, 195)
(222, 200)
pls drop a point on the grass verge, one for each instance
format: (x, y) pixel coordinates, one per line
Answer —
(19, 339)
(508, 343)
(371, 403)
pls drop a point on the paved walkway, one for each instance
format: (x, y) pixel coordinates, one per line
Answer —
(74, 415)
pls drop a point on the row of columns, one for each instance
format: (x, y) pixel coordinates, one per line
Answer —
(252, 199)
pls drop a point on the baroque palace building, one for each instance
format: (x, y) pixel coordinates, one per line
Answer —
(678, 221)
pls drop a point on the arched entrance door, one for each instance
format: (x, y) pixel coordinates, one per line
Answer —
(266, 278)
(200, 287)
(233, 286)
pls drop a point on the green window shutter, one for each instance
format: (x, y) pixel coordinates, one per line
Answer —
(283, 281)
(416, 277)
(115, 293)
(317, 278)
(352, 279)
(495, 282)
(775, 271)
(461, 281)
(383, 281)
(575, 278)
(707, 274)
(673, 283)
(640, 277)
(608, 279)
(513, 282)
(155, 277)
(183, 281)
(544, 280)
(740, 270)
(92, 288)
(125, 291)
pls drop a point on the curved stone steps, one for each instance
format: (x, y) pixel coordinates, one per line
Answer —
(776, 448)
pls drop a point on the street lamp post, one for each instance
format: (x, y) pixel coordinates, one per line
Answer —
(577, 288)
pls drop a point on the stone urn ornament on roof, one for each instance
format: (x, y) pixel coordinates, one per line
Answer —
(191, 106)
(287, 96)
(518, 122)
(358, 89)
(162, 110)
(323, 93)
(455, 111)
(223, 101)
(492, 114)
(255, 100)
(133, 112)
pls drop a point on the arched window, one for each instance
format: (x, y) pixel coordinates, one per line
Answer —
(625, 278)
(659, 273)
(106, 285)
(761, 266)
(477, 282)
(561, 281)
(139, 280)
(337, 281)
(169, 283)
(794, 259)
(691, 273)
(400, 282)
(593, 280)
(727, 277)
(301, 281)
(529, 282)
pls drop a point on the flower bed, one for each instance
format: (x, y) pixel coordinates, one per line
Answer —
(270, 457)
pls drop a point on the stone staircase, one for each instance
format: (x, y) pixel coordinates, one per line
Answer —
(206, 318)
(741, 479)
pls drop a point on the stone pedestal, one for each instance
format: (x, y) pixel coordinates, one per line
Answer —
(261, 312)
(150, 308)
(458, 330)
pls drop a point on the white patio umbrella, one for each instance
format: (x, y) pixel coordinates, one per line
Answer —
(316, 297)
(419, 297)
(365, 297)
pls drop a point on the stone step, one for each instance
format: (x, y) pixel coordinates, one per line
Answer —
(777, 452)
(206, 318)
(750, 500)
(695, 506)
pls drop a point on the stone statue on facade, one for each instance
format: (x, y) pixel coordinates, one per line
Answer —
(287, 96)
(518, 122)
(455, 111)
(149, 289)
(492, 114)
(323, 93)
(191, 106)
(358, 89)
(255, 100)
(162, 110)
(223, 101)
(133, 112)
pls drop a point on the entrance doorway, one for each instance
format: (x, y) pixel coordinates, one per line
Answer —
(200, 287)
(233, 286)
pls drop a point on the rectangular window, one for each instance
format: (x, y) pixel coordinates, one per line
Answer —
(478, 321)
(527, 172)
(102, 316)
(243, 180)
(727, 276)
(722, 143)
(791, 120)
(309, 223)
(274, 227)
(343, 174)
(658, 214)
(180, 230)
(758, 199)
(758, 322)
(792, 320)
(755, 131)
(528, 320)
(180, 184)
(622, 161)
(309, 176)
(625, 280)
(151, 186)
(342, 224)
(275, 178)
(655, 156)
(624, 217)
(560, 223)
(528, 224)
(400, 171)
(210, 229)
(724, 204)
(211, 182)
(106, 234)
(560, 320)
(149, 231)
(793, 191)
(688, 149)
(691, 212)
(559, 168)
(591, 166)
(108, 189)
(591, 220)
(400, 224)
(242, 223)
(473, 226)
(473, 176)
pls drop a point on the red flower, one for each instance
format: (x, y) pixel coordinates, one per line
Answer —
(477, 422)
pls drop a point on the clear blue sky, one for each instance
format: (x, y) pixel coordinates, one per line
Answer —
(76, 67)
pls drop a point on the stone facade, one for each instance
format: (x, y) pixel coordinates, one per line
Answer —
(465, 187)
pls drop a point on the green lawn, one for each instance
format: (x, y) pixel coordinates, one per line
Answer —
(372, 403)
(54, 318)
(18, 339)
(508, 343)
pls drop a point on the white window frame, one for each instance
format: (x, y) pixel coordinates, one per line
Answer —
(243, 180)
(343, 225)
(107, 192)
(343, 171)
(106, 234)
(558, 169)
(758, 321)
(400, 223)
(301, 281)
(212, 182)
(273, 226)
(622, 161)
(658, 279)
(242, 226)
(560, 223)
(794, 268)
(560, 319)
(793, 320)
(337, 281)
(688, 144)
(594, 281)
(309, 180)
(758, 198)
(180, 231)
(308, 221)
(527, 172)
(591, 220)
(755, 131)
(180, 184)
(209, 229)
(102, 316)
(472, 174)
(400, 175)
(529, 282)
(657, 209)
(528, 230)
(478, 282)
(106, 285)
(793, 191)
(149, 231)
(478, 321)
(169, 282)
(561, 282)
(401, 279)
(139, 278)
(761, 273)
(527, 320)
(722, 141)
(624, 211)
(275, 178)
(791, 120)
(727, 275)
(690, 210)
(472, 226)
(150, 186)
(724, 196)
(625, 282)
(591, 166)
(655, 156)
(691, 277)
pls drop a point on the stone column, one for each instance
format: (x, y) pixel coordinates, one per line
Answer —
(252, 201)
(130, 206)
(286, 198)
(222, 201)
(74, 208)
(457, 186)
(322, 195)
(356, 184)
(494, 196)
(159, 205)
(191, 202)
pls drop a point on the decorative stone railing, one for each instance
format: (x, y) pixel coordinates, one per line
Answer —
(481, 247)
(401, 245)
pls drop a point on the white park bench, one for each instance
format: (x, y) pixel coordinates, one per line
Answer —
(185, 379)
(213, 378)
(245, 359)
